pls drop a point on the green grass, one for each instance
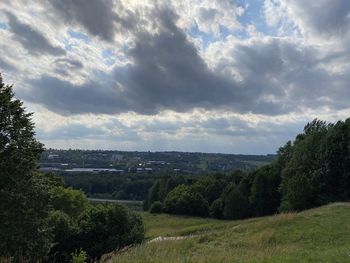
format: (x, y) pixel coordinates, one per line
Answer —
(316, 235)
(167, 225)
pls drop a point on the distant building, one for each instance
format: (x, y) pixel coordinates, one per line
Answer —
(52, 156)
(116, 157)
(93, 170)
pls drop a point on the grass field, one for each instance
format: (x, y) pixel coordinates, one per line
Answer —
(317, 235)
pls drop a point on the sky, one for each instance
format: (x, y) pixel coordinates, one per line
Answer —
(224, 76)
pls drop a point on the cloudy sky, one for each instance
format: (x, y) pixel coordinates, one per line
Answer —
(225, 76)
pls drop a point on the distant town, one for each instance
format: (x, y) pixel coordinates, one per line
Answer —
(98, 161)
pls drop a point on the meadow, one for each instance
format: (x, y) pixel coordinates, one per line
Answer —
(316, 235)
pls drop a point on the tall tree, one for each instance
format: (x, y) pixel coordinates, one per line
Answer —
(23, 194)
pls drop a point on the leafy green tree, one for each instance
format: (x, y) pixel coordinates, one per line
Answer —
(23, 194)
(104, 228)
(184, 200)
(236, 204)
(336, 164)
(209, 187)
(304, 177)
(72, 202)
(265, 197)
(156, 193)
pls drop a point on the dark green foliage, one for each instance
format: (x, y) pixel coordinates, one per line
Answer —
(183, 200)
(161, 188)
(317, 170)
(122, 186)
(236, 205)
(265, 197)
(156, 208)
(132, 189)
(100, 229)
(209, 187)
(337, 159)
(72, 202)
(64, 230)
(23, 195)
(304, 176)
(104, 228)
(172, 182)
(217, 209)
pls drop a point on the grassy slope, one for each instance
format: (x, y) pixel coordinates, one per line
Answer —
(317, 235)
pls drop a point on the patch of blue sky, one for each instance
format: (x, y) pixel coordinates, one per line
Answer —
(3, 25)
(108, 57)
(205, 37)
(225, 32)
(254, 15)
(79, 35)
(67, 45)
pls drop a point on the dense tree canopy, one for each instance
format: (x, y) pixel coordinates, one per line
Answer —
(23, 194)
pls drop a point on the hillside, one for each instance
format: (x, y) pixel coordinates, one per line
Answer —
(316, 235)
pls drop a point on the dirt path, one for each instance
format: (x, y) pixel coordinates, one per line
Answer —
(161, 239)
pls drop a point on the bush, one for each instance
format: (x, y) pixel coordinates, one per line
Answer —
(184, 201)
(108, 227)
(156, 208)
(64, 231)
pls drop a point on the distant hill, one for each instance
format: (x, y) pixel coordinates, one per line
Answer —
(316, 235)
(186, 162)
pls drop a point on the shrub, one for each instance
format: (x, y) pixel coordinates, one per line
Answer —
(104, 228)
(184, 200)
(156, 208)
(64, 231)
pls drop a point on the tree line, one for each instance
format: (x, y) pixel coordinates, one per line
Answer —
(310, 171)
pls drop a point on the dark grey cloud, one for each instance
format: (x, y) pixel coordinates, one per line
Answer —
(66, 66)
(326, 17)
(168, 73)
(96, 16)
(31, 39)
(66, 98)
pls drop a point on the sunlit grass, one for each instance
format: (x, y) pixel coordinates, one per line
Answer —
(317, 235)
